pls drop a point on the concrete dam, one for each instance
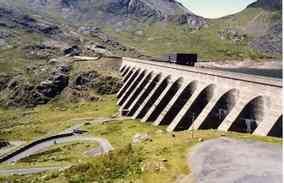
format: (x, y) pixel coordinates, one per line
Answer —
(185, 98)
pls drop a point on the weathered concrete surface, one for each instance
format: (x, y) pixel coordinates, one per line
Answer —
(220, 100)
(226, 160)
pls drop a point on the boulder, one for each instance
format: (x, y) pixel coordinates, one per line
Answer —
(139, 33)
(141, 137)
(85, 79)
(2, 43)
(56, 83)
(95, 152)
(73, 51)
(4, 80)
(4, 143)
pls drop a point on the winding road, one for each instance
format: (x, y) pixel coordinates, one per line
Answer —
(104, 147)
(103, 143)
(43, 144)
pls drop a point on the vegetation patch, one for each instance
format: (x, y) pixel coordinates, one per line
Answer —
(61, 153)
(29, 124)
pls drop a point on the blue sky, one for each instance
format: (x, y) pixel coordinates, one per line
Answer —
(215, 8)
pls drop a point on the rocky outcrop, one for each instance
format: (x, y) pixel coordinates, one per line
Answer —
(232, 35)
(13, 18)
(41, 51)
(4, 37)
(21, 93)
(55, 83)
(4, 143)
(73, 51)
(103, 85)
(267, 4)
(4, 81)
(114, 12)
(4, 34)
(88, 86)
(271, 43)
(105, 44)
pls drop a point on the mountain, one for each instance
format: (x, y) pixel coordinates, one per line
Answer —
(262, 23)
(254, 33)
(268, 5)
(157, 27)
(115, 12)
(38, 39)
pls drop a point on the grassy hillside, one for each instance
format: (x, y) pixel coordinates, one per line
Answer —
(158, 39)
(215, 41)
(160, 160)
(12, 58)
(162, 39)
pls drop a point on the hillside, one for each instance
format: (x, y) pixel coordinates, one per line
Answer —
(59, 73)
(158, 27)
(117, 13)
(255, 34)
(36, 45)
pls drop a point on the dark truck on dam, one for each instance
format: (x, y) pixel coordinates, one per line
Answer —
(182, 59)
(188, 59)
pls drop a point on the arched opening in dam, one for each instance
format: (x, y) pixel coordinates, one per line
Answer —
(166, 99)
(128, 74)
(250, 117)
(122, 69)
(124, 72)
(134, 73)
(220, 111)
(179, 103)
(196, 108)
(136, 81)
(276, 130)
(140, 101)
(154, 97)
(138, 90)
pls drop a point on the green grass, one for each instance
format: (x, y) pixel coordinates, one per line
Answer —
(12, 59)
(28, 124)
(162, 39)
(161, 160)
(159, 39)
(61, 153)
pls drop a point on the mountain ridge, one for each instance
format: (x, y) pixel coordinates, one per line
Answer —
(163, 26)
(117, 12)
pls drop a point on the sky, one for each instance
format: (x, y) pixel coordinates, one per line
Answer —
(215, 8)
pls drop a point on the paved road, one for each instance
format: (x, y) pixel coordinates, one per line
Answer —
(105, 145)
(226, 160)
(13, 146)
